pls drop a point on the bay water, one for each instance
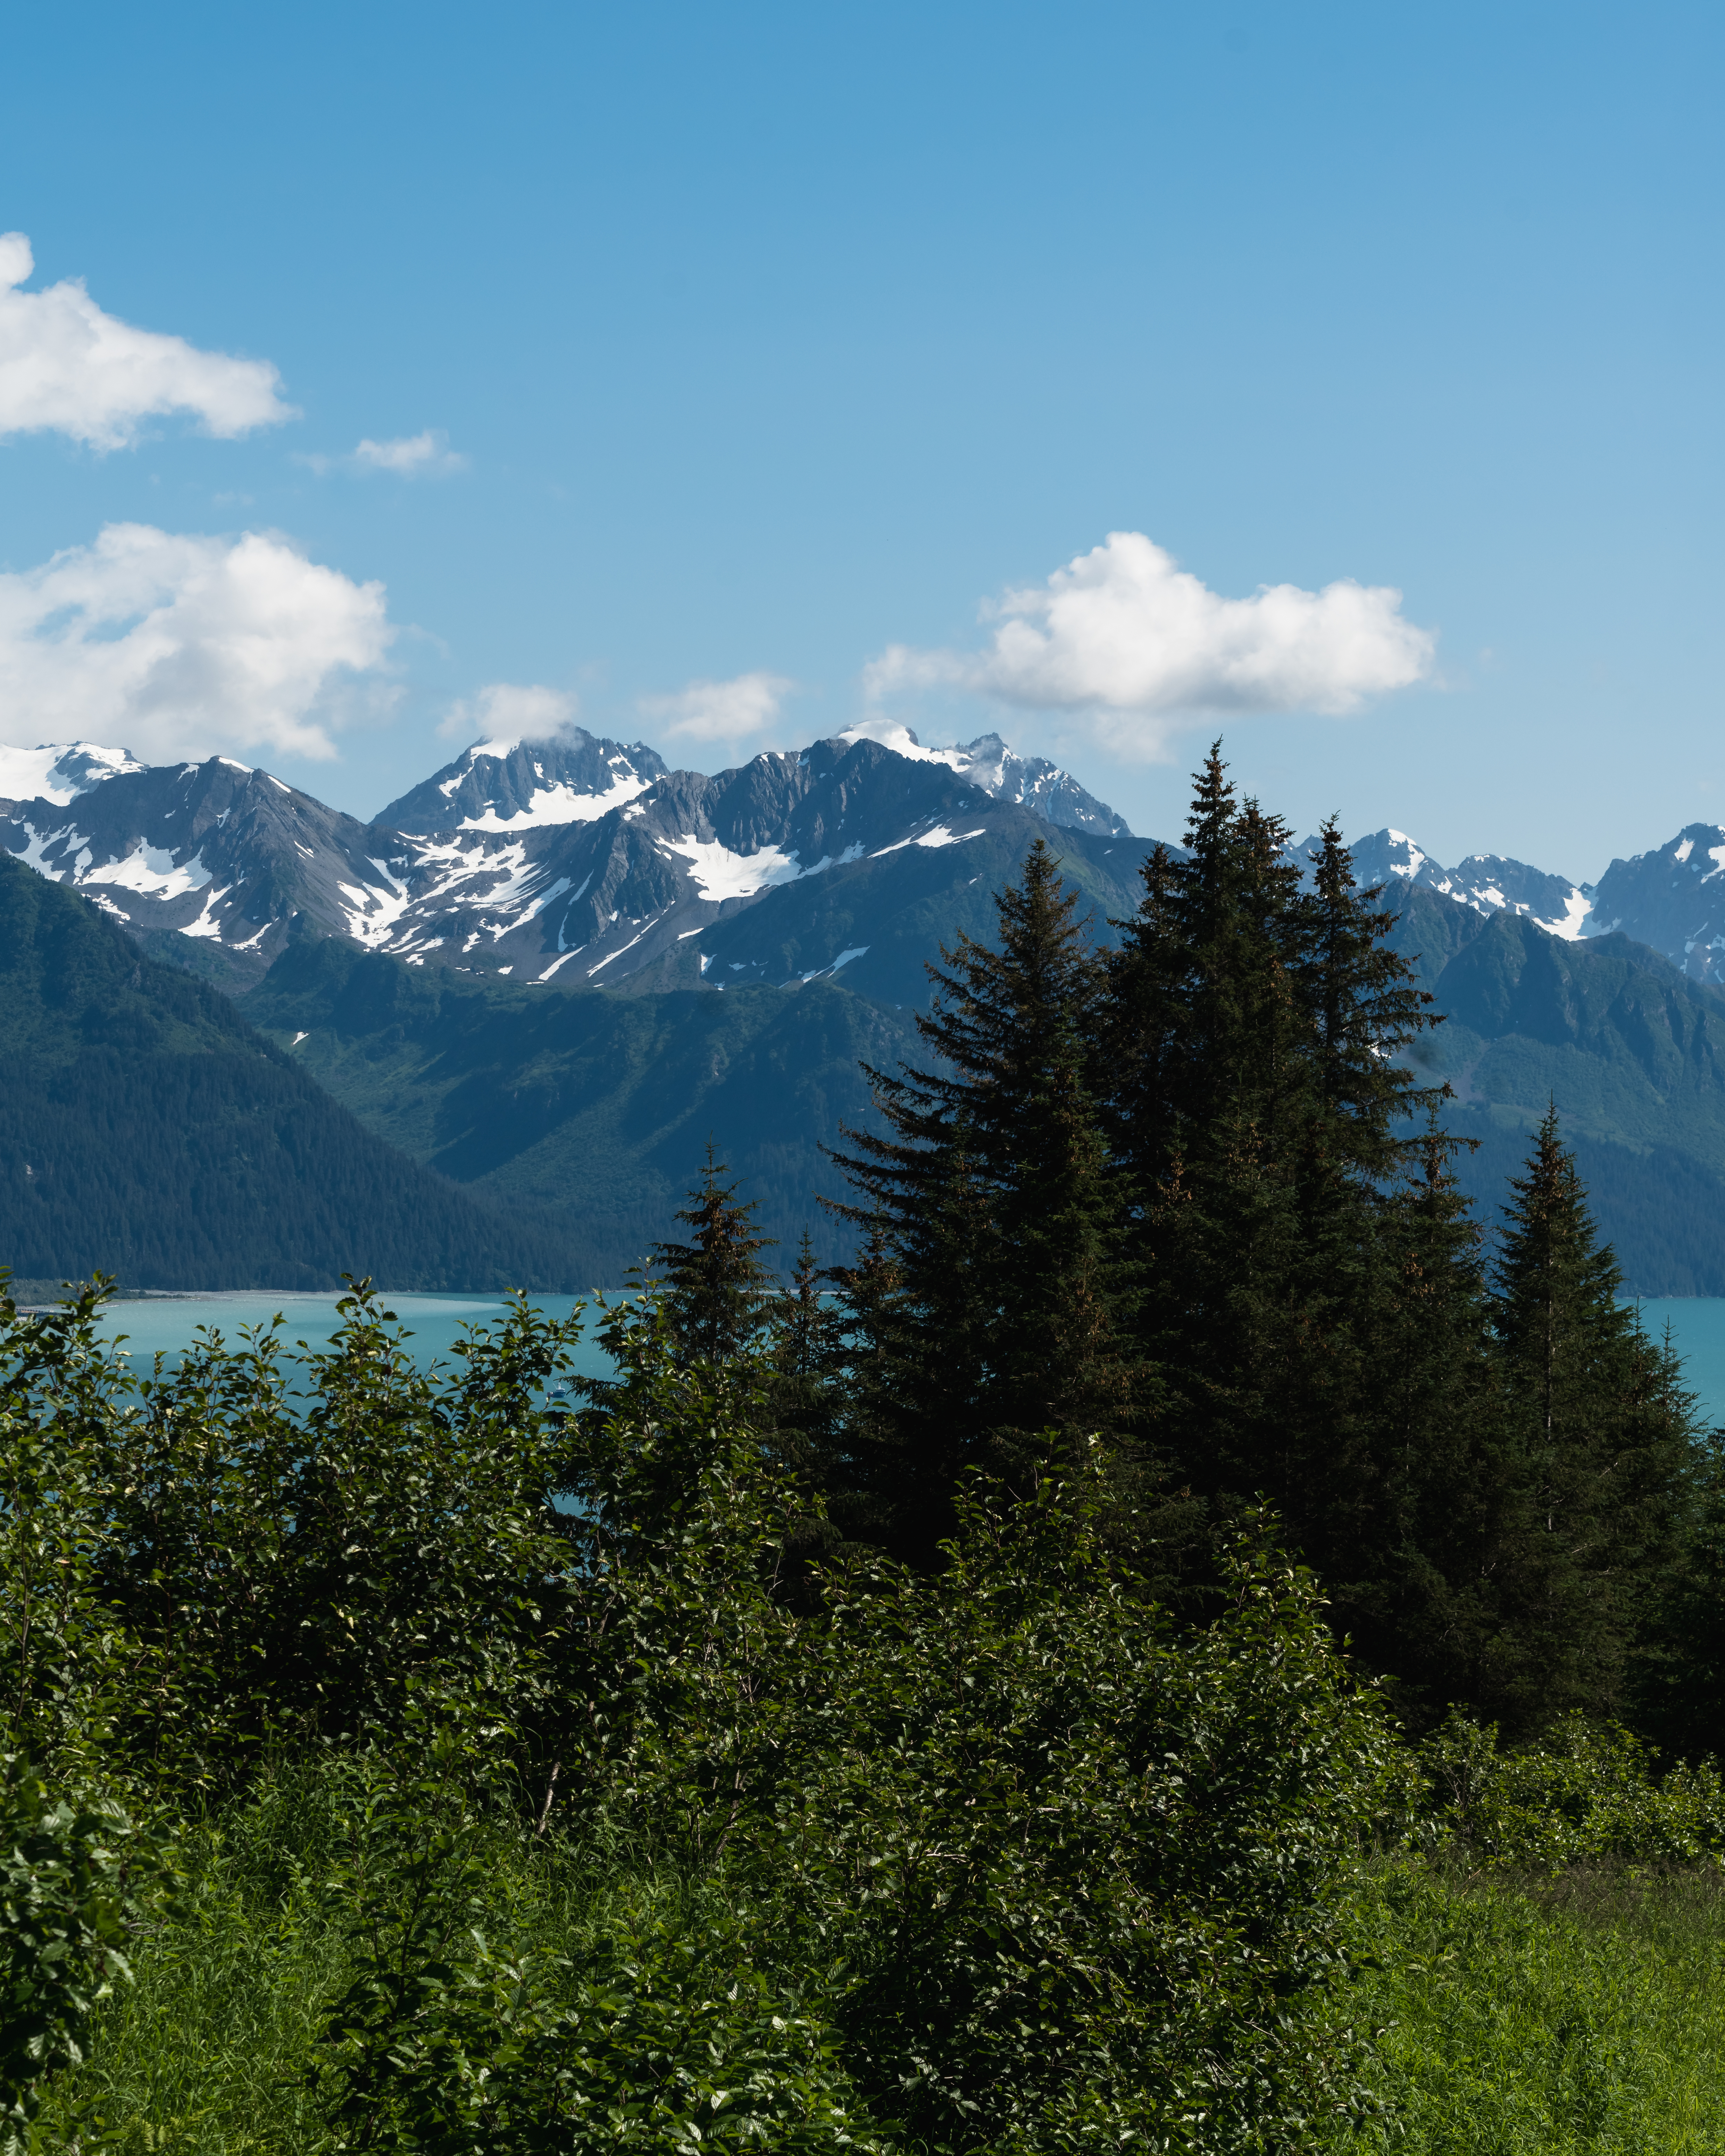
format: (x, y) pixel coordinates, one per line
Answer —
(169, 1322)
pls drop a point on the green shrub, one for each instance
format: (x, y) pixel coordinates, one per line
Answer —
(1077, 1882)
(75, 1877)
(1587, 1793)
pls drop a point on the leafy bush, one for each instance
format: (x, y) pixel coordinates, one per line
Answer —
(995, 1855)
(1587, 1793)
(74, 1877)
(1075, 1877)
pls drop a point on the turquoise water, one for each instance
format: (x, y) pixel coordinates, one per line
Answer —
(166, 1323)
(1697, 1324)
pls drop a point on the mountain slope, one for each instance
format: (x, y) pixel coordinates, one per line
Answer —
(232, 859)
(1631, 1052)
(574, 857)
(593, 1104)
(146, 1129)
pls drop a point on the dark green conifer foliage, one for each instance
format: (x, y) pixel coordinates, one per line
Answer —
(803, 1348)
(1251, 1025)
(1419, 1600)
(1364, 1001)
(1677, 1676)
(1597, 1451)
(1001, 1300)
(717, 1289)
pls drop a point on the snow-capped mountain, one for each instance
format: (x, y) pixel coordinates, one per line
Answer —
(1033, 782)
(514, 785)
(579, 859)
(575, 858)
(223, 853)
(1489, 882)
(1673, 898)
(59, 771)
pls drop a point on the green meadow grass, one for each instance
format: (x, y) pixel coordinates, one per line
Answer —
(1535, 2017)
(208, 2051)
(1495, 2017)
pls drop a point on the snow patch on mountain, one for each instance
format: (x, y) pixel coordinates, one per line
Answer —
(59, 771)
(718, 874)
(559, 804)
(939, 836)
(151, 871)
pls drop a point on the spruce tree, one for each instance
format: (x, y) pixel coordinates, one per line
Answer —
(716, 1289)
(803, 1348)
(1364, 1004)
(1252, 1035)
(1002, 1301)
(1597, 1451)
(1419, 1599)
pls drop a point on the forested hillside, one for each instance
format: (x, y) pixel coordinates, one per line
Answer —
(1630, 1050)
(597, 1105)
(147, 1130)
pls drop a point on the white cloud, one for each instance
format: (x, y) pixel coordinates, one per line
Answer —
(426, 455)
(183, 646)
(66, 366)
(733, 711)
(1124, 630)
(510, 711)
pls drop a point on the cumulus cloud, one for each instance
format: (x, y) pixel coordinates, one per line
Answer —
(182, 646)
(733, 711)
(66, 366)
(510, 711)
(426, 455)
(1124, 630)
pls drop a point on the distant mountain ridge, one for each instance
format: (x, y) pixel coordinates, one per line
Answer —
(579, 963)
(573, 856)
(1671, 899)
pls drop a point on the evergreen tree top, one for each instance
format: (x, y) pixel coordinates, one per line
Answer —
(716, 1287)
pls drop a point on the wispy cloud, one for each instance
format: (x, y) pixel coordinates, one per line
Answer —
(426, 455)
(510, 711)
(184, 645)
(734, 713)
(1127, 637)
(67, 367)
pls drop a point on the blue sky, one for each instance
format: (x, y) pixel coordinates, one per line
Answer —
(746, 344)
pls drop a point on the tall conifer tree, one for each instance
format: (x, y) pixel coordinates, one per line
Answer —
(997, 1229)
(1254, 1019)
(716, 1291)
(1598, 1447)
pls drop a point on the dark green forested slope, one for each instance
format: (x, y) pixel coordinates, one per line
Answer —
(147, 1130)
(1631, 1052)
(598, 1103)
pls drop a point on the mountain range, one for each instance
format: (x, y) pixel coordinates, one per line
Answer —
(545, 976)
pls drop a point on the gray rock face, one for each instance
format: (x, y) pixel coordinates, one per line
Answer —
(575, 858)
(226, 856)
(1673, 898)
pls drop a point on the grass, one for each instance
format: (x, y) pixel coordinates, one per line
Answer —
(208, 2052)
(1497, 2016)
(1507, 2017)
